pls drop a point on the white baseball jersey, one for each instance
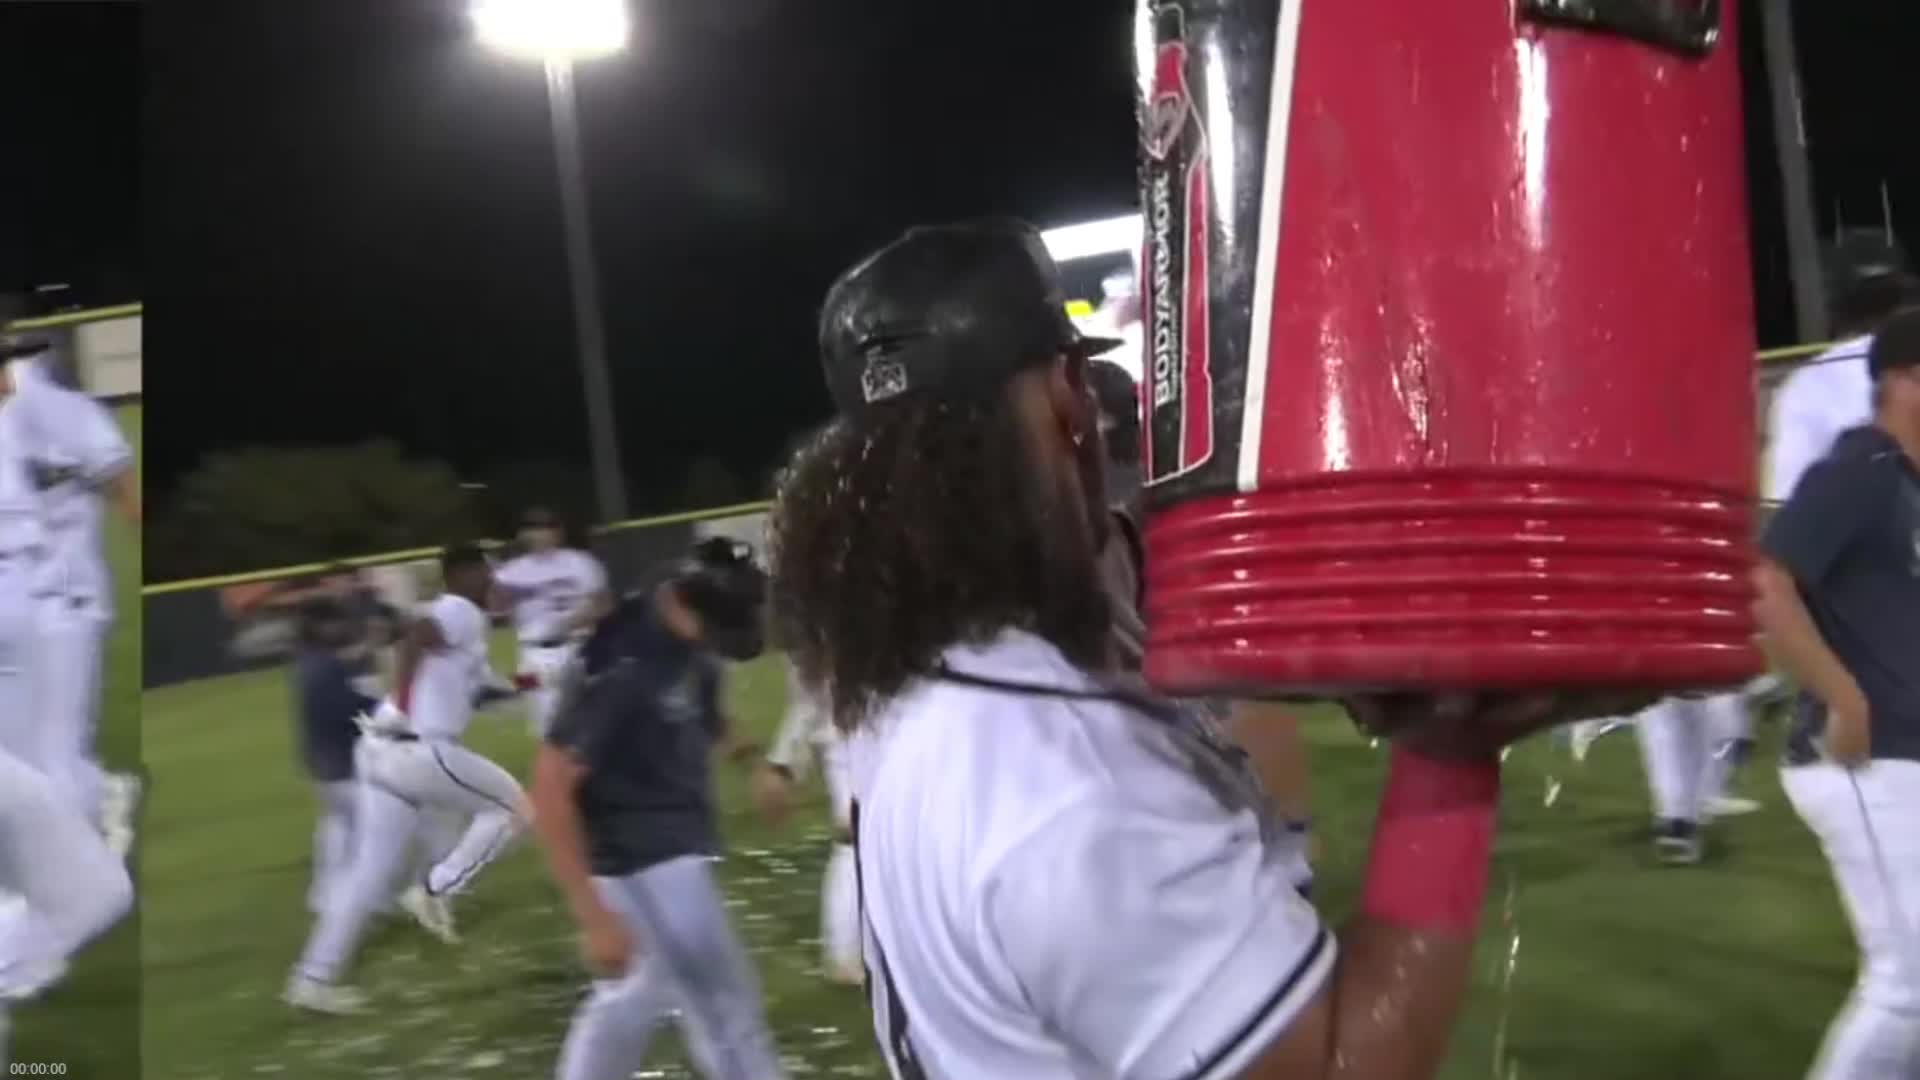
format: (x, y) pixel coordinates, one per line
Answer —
(551, 587)
(447, 678)
(1064, 887)
(1811, 408)
(80, 449)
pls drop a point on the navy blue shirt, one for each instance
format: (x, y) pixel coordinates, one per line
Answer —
(643, 721)
(1850, 536)
(327, 703)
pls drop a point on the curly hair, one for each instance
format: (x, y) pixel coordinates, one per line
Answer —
(928, 527)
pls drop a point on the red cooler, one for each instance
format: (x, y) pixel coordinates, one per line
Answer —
(1449, 376)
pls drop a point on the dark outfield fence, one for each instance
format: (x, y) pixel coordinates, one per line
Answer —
(218, 626)
(243, 622)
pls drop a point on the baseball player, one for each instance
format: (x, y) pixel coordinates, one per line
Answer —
(409, 761)
(78, 460)
(556, 593)
(1059, 875)
(1691, 747)
(624, 806)
(1839, 600)
(68, 885)
(806, 734)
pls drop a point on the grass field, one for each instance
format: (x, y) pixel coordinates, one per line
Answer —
(1595, 963)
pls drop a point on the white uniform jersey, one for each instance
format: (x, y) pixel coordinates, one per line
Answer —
(551, 587)
(1812, 407)
(447, 678)
(1064, 887)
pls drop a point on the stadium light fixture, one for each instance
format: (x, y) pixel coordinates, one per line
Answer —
(559, 33)
(552, 29)
(1109, 236)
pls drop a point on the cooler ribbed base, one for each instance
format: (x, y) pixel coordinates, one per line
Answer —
(1451, 580)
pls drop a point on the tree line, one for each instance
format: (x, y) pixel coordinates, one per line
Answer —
(263, 507)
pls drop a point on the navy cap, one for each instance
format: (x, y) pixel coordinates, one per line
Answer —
(946, 311)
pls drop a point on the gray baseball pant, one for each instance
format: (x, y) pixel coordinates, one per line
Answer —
(687, 961)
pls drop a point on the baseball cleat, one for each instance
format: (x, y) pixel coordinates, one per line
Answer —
(22, 982)
(1722, 806)
(433, 913)
(1677, 843)
(314, 995)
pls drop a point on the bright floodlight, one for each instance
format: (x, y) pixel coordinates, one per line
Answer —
(1112, 236)
(552, 29)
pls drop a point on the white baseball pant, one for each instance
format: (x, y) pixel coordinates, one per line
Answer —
(686, 959)
(334, 835)
(399, 783)
(545, 664)
(1871, 836)
(67, 685)
(71, 885)
(332, 839)
(1684, 745)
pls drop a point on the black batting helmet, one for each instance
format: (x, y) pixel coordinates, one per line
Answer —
(946, 311)
(724, 585)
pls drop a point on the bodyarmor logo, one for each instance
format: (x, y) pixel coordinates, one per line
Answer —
(1173, 143)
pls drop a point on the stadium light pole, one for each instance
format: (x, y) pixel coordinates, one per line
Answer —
(559, 33)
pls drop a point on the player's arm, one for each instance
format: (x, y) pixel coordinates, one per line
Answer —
(421, 636)
(557, 775)
(559, 769)
(1801, 545)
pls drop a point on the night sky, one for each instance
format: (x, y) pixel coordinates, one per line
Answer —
(349, 225)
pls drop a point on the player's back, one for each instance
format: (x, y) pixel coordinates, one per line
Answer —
(447, 678)
(1062, 886)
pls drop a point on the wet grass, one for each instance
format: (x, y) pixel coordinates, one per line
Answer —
(1621, 969)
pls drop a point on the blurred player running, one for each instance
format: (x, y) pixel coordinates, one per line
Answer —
(556, 593)
(78, 461)
(409, 761)
(68, 885)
